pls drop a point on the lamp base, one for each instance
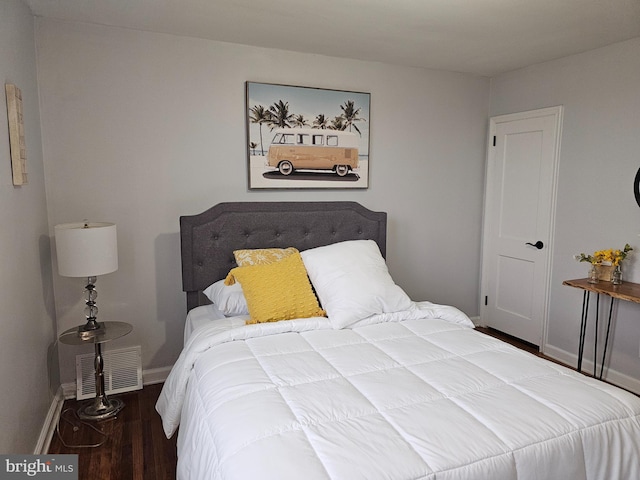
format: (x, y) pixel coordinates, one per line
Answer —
(101, 408)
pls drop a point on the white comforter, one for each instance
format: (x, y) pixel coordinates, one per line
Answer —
(411, 395)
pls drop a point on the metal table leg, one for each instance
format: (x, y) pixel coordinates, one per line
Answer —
(583, 333)
(595, 336)
(606, 339)
(583, 327)
(100, 407)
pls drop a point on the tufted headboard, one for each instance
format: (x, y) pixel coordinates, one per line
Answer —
(209, 238)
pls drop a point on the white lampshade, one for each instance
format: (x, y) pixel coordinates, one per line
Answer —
(86, 249)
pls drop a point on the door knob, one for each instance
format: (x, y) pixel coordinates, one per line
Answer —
(538, 244)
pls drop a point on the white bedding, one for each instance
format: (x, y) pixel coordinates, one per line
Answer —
(208, 315)
(410, 395)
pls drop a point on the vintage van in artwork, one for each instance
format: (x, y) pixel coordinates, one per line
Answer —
(313, 149)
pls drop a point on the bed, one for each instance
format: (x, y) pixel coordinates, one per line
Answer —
(368, 383)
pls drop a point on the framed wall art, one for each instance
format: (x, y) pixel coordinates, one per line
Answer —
(16, 134)
(303, 137)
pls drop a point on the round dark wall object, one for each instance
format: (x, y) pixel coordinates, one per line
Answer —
(636, 187)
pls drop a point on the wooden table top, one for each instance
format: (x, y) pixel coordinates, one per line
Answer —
(627, 291)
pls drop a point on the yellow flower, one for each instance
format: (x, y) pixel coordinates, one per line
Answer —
(610, 256)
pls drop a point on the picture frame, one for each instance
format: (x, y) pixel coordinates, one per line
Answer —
(306, 138)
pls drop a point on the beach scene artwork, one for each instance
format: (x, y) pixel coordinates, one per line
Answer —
(304, 137)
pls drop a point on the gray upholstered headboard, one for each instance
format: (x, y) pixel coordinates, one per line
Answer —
(209, 238)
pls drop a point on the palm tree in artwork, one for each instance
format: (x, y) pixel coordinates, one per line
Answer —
(320, 121)
(350, 115)
(279, 115)
(337, 123)
(300, 121)
(259, 115)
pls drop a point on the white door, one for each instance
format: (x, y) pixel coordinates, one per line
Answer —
(519, 210)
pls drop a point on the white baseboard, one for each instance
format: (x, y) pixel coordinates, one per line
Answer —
(50, 422)
(155, 375)
(67, 391)
(611, 376)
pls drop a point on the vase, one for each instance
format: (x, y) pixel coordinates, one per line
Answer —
(616, 276)
(593, 274)
(604, 272)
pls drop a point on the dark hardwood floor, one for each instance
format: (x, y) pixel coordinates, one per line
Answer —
(135, 446)
(529, 347)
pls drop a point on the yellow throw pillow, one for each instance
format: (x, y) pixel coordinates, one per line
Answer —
(261, 256)
(277, 291)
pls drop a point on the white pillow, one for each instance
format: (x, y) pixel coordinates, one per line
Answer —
(352, 281)
(229, 299)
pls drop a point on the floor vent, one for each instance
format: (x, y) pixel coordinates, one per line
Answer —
(122, 372)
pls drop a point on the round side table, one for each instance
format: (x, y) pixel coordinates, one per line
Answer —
(100, 407)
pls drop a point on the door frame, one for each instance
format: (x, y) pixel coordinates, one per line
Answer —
(558, 112)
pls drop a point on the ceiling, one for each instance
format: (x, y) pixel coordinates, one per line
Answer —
(483, 37)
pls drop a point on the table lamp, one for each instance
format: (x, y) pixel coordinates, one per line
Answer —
(87, 249)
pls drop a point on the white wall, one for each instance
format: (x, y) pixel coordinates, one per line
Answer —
(596, 209)
(140, 128)
(26, 299)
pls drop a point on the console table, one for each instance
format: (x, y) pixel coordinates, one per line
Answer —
(627, 291)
